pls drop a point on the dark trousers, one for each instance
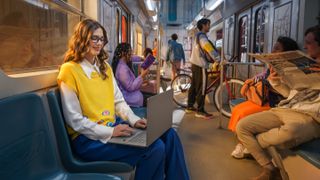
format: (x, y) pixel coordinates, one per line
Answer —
(197, 91)
(164, 159)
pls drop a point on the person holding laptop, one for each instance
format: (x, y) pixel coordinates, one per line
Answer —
(95, 111)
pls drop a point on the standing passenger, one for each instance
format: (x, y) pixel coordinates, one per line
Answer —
(200, 64)
(175, 54)
(94, 109)
(295, 120)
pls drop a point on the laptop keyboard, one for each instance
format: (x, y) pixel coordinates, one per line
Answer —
(140, 137)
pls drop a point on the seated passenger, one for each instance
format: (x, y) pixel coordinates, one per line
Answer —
(95, 111)
(295, 120)
(147, 52)
(246, 108)
(127, 82)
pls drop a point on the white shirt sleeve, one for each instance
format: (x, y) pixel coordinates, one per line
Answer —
(121, 107)
(75, 119)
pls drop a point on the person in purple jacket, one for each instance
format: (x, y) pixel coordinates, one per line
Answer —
(127, 82)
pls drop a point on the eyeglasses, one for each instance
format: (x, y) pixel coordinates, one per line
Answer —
(96, 39)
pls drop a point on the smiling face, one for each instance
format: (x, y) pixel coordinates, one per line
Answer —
(97, 40)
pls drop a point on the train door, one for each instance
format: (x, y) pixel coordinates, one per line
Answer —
(242, 43)
(243, 32)
(258, 36)
(250, 37)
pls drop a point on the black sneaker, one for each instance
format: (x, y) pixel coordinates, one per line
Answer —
(190, 110)
(204, 115)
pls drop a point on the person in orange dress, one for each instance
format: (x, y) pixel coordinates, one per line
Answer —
(246, 108)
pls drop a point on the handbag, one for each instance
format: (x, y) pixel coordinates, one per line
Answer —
(256, 92)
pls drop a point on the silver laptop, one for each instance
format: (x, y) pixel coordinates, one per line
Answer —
(159, 118)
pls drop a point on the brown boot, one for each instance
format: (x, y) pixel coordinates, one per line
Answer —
(268, 174)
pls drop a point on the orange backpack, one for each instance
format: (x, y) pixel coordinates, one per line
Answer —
(256, 92)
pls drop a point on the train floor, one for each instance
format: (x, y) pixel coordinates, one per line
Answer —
(207, 149)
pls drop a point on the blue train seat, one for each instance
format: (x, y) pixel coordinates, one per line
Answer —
(27, 149)
(69, 159)
(235, 102)
(310, 151)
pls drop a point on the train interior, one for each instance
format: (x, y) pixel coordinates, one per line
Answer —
(34, 37)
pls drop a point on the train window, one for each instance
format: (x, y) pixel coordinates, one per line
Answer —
(124, 28)
(243, 38)
(228, 36)
(139, 43)
(172, 8)
(260, 21)
(33, 36)
(74, 3)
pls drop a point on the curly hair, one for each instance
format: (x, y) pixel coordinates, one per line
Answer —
(122, 49)
(78, 45)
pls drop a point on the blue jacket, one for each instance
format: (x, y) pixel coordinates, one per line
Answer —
(175, 52)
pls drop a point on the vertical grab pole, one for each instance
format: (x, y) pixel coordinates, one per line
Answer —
(158, 47)
(221, 82)
(221, 90)
(222, 62)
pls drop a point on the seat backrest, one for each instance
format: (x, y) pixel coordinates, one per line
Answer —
(26, 148)
(54, 101)
(68, 158)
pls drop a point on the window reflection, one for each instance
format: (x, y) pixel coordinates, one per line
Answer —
(243, 39)
(228, 38)
(260, 21)
(124, 27)
(33, 38)
(139, 43)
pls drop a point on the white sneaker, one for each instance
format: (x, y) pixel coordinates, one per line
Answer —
(240, 152)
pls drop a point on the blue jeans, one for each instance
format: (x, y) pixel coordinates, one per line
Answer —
(164, 159)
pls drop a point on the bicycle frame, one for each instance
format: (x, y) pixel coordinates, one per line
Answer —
(217, 80)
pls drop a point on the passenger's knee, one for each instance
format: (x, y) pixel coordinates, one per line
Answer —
(171, 133)
(241, 126)
(291, 131)
(158, 149)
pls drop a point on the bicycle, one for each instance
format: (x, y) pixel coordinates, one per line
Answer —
(231, 90)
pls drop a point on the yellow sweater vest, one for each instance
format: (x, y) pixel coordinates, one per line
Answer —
(96, 96)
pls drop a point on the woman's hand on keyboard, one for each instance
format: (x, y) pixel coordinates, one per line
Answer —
(122, 130)
(141, 124)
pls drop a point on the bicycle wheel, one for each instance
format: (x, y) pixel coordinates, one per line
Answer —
(181, 85)
(231, 90)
